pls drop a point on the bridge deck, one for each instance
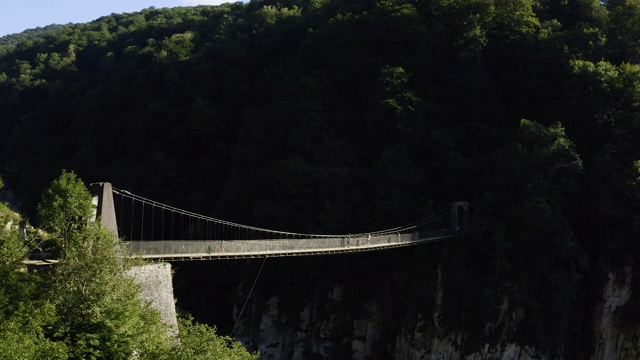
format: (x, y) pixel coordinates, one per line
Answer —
(239, 249)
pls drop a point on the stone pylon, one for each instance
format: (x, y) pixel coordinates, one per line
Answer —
(105, 209)
(155, 280)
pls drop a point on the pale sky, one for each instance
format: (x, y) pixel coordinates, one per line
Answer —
(19, 15)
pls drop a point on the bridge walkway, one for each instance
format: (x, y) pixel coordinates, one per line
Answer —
(172, 250)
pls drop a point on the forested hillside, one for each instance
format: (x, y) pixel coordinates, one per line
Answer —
(346, 116)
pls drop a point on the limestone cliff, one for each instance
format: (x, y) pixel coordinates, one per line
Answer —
(613, 341)
(317, 333)
(305, 309)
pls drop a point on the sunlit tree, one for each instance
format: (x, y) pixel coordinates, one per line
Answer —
(65, 207)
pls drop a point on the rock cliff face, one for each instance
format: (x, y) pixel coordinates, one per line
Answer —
(613, 341)
(305, 309)
(313, 333)
(332, 335)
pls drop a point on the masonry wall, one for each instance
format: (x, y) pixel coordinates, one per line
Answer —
(156, 284)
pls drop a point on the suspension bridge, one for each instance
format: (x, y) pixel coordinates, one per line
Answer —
(153, 230)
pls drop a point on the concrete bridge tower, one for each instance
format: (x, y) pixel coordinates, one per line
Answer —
(459, 216)
(155, 280)
(105, 209)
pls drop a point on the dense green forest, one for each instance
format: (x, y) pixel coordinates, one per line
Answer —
(347, 116)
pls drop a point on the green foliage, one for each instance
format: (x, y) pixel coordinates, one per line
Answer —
(465, 24)
(12, 252)
(22, 342)
(623, 30)
(400, 101)
(516, 19)
(542, 175)
(198, 341)
(7, 215)
(178, 47)
(25, 315)
(65, 207)
(100, 312)
(270, 14)
(547, 151)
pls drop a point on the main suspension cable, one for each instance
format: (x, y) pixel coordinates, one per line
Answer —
(252, 229)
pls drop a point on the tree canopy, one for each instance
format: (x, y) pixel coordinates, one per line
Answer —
(65, 208)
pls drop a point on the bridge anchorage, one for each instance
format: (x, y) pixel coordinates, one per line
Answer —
(157, 231)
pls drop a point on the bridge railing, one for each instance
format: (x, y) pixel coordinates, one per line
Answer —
(275, 247)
